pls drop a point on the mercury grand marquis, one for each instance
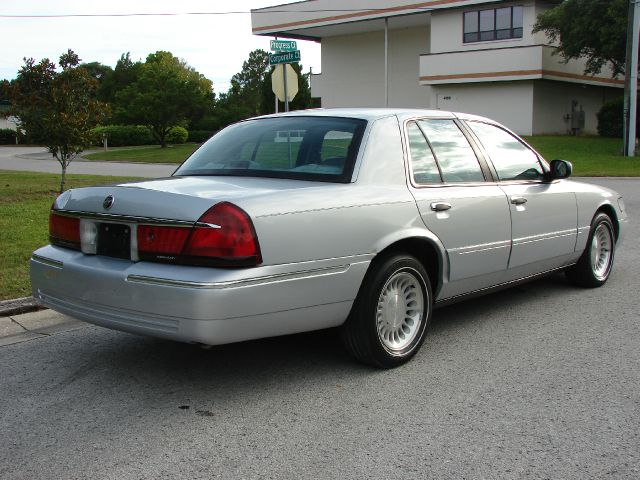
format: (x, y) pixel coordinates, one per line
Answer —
(362, 219)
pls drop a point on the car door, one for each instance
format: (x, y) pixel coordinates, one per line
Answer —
(469, 215)
(543, 213)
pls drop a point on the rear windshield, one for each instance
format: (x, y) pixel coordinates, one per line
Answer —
(303, 148)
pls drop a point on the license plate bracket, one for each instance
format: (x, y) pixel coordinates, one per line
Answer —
(114, 240)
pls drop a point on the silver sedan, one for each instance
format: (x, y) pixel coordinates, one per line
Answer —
(363, 219)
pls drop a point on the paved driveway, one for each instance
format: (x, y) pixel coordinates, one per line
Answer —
(37, 159)
(540, 381)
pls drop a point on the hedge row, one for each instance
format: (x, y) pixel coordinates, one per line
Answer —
(132, 135)
(7, 136)
(123, 135)
(610, 119)
(200, 136)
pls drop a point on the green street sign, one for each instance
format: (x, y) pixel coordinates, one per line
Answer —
(286, 57)
(283, 45)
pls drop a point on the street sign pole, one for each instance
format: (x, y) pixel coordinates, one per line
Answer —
(286, 92)
(630, 102)
(275, 96)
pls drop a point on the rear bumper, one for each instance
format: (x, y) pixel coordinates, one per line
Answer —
(196, 304)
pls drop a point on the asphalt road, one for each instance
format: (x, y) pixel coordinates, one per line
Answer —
(37, 159)
(540, 381)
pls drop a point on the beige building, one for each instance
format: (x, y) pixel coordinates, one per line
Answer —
(475, 56)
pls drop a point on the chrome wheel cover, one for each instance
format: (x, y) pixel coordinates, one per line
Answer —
(601, 251)
(400, 310)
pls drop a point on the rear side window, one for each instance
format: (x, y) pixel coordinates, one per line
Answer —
(456, 158)
(512, 159)
(423, 163)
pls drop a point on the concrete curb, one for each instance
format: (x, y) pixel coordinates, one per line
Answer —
(18, 306)
(39, 324)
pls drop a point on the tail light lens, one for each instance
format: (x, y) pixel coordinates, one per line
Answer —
(64, 231)
(224, 237)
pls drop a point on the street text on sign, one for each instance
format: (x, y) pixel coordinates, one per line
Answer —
(286, 57)
(283, 45)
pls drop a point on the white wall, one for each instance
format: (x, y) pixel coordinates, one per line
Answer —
(552, 100)
(4, 123)
(353, 69)
(510, 103)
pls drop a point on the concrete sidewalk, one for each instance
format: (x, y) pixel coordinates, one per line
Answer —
(30, 326)
(37, 159)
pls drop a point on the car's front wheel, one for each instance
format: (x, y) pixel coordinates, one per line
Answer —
(389, 319)
(594, 266)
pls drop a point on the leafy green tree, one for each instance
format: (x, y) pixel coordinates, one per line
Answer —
(247, 83)
(102, 74)
(595, 29)
(124, 74)
(57, 109)
(167, 92)
(5, 91)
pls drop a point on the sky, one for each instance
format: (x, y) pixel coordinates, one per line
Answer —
(215, 45)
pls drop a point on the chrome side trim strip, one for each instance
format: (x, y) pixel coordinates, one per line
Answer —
(47, 261)
(279, 277)
(545, 236)
(481, 247)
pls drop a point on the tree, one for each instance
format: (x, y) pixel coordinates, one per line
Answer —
(248, 82)
(594, 29)
(57, 109)
(102, 74)
(5, 89)
(167, 92)
(124, 74)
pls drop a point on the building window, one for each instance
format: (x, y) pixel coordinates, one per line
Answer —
(493, 24)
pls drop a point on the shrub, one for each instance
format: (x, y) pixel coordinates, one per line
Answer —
(177, 135)
(7, 136)
(610, 119)
(123, 135)
(200, 136)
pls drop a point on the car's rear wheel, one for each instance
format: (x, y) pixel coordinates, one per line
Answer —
(594, 266)
(388, 321)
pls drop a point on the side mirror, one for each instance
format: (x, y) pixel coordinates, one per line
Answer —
(559, 169)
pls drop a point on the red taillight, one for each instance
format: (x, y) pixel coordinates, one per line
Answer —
(231, 235)
(157, 240)
(64, 231)
(228, 239)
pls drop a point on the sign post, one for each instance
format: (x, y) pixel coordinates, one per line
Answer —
(285, 52)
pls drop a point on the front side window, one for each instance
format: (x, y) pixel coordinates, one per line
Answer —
(512, 159)
(456, 158)
(492, 24)
(303, 148)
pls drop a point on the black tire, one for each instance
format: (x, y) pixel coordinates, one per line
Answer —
(594, 266)
(377, 306)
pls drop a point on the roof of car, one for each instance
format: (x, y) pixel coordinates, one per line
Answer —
(376, 113)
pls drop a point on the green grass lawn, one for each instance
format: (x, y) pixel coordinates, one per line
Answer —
(590, 156)
(151, 154)
(25, 200)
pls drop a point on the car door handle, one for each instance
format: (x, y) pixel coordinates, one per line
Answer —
(440, 206)
(518, 200)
